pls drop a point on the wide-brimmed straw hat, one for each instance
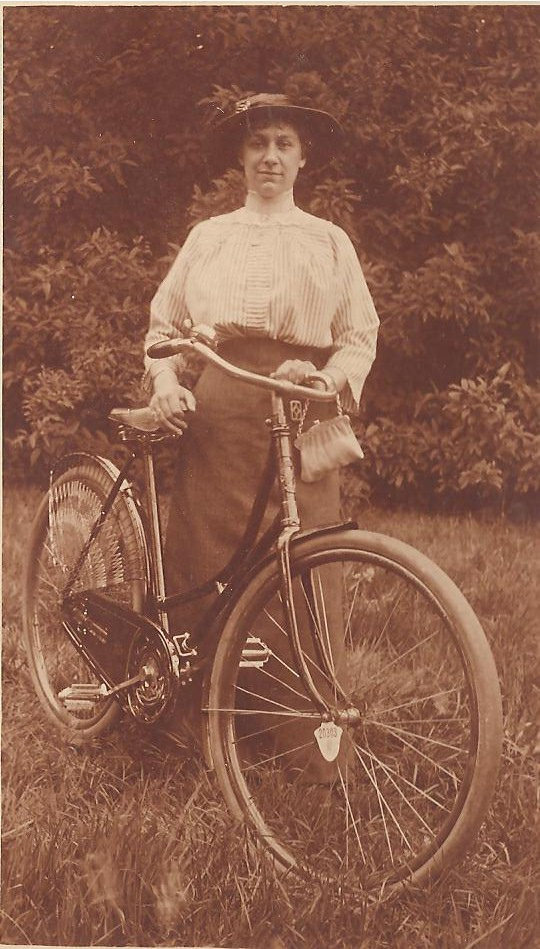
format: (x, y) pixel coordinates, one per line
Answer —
(322, 131)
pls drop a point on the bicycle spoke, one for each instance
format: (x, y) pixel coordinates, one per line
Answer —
(51, 555)
(347, 810)
(385, 627)
(373, 778)
(405, 731)
(280, 754)
(428, 721)
(251, 711)
(349, 617)
(263, 731)
(55, 588)
(315, 617)
(345, 788)
(256, 695)
(285, 664)
(327, 653)
(400, 792)
(285, 684)
(317, 668)
(405, 780)
(275, 622)
(432, 761)
(306, 655)
(421, 698)
(351, 815)
(366, 769)
(382, 672)
(327, 635)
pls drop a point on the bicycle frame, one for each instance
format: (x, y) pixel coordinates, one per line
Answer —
(250, 554)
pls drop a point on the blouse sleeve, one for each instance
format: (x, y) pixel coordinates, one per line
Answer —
(168, 310)
(355, 323)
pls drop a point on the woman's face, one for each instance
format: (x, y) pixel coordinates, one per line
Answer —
(271, 157)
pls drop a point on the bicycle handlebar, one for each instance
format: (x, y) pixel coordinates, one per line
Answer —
(171, 347)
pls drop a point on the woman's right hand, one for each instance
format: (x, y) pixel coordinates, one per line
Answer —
(170, 402)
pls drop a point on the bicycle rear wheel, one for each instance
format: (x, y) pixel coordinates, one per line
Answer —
(116, 565)
(409, 679)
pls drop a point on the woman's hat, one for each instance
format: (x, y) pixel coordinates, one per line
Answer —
(322, 130)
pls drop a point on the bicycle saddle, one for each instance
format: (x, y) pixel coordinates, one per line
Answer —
(143, 420)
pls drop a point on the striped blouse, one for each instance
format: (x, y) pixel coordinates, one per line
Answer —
(288, 276)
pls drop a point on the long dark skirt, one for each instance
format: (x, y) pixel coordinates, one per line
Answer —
(221, 459)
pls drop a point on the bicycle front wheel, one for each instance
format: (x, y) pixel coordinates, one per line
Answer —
(116, 565)
(391, 782)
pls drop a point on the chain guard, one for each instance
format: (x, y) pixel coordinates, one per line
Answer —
(117, 643)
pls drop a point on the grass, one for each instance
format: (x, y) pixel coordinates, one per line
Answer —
(126, 841)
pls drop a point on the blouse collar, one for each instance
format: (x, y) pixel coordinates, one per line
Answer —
(279, 212)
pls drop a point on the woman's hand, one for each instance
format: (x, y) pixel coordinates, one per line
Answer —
(297, 371)
(170, 402)
(294, 370)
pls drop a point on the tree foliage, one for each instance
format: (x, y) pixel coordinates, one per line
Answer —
(106, 168)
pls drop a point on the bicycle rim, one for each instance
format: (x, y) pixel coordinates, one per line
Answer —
(409, 779)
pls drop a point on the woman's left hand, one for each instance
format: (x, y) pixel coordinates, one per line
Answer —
(295, 370)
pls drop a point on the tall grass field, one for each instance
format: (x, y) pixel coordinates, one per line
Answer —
(126, 842)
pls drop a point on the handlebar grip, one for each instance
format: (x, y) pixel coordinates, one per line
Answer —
(325, 378)
(194, 334)
(166, 347)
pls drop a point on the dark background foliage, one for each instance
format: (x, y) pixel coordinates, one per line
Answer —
(106, 169)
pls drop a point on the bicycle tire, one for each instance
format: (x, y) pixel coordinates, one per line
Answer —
(413, 779)
(116, 565)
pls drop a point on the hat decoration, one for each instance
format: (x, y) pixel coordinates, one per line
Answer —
(322, 130)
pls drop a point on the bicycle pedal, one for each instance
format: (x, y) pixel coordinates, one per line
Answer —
(255, 653)
(81, 696)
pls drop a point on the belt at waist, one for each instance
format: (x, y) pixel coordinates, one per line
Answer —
(263, 355)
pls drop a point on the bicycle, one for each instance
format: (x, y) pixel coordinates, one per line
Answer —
(404, 713)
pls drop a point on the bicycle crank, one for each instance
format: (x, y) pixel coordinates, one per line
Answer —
(131, 655)
(84, 695)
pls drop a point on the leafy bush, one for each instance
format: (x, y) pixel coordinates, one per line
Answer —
(73, 346)
(477, 441)
(106, 112)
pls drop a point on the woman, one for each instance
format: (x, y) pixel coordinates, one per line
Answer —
(286, 294)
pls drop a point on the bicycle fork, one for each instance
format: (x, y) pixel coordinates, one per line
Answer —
(290, 526)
